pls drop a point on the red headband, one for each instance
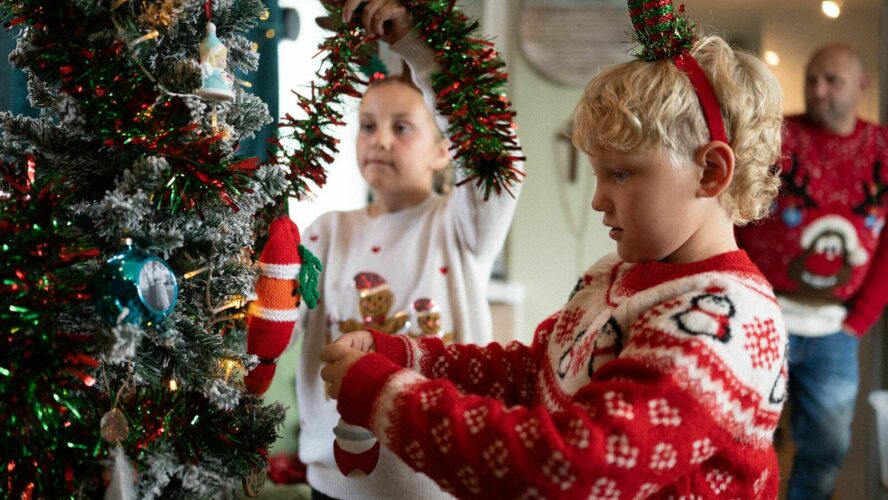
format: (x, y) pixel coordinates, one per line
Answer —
(706, 95)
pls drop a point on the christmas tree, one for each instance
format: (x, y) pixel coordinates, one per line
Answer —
(128, 230)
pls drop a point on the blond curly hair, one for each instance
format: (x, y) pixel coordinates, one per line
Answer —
(637, 104)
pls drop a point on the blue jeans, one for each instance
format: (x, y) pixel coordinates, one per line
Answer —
(823, 380)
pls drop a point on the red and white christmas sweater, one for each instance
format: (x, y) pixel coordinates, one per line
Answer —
(825, 244)
(654, 380)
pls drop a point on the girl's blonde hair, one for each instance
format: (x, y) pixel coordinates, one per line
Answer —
(637, 104)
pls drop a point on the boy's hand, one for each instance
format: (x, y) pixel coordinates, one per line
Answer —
(386, 19)
(361, 340)
(339, 357)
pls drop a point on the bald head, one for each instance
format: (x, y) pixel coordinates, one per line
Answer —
(834, 83)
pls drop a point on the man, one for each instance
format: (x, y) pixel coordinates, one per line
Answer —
(827, 257)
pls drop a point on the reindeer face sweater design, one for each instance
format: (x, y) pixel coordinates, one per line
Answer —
(825, 244)
(653, 380)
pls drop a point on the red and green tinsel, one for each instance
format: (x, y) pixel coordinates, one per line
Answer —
(47, 371)
(469, 88)
(661, 31)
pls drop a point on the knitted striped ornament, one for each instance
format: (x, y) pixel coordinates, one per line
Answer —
(288, 274)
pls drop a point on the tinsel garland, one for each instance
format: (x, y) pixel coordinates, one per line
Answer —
(660, 30)
(45, 431)
(469, 90)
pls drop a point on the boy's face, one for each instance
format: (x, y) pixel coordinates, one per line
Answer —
(398, 146)
(650, 205)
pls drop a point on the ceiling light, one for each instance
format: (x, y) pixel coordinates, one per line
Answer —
(832, 8)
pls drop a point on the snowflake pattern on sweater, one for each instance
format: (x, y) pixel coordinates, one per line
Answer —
(654, 380)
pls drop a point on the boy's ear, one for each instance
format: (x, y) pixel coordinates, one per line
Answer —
(717, 161)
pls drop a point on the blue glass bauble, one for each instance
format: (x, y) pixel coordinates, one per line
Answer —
(139, 288)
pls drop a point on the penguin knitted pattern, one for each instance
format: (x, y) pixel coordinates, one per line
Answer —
(653, 380)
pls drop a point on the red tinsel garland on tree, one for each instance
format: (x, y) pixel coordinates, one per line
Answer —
(469, 91)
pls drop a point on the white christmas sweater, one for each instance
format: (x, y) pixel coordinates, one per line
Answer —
(654, 380)
(442, 249)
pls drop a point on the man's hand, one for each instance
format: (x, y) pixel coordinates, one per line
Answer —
(386, 19)
(339, 357)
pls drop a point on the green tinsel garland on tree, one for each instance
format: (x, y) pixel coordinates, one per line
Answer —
(469, 89)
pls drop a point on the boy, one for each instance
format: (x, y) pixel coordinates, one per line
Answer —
(664, 373)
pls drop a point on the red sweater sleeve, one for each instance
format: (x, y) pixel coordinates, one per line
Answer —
(505, 372)
(867, 304)
(631, 418)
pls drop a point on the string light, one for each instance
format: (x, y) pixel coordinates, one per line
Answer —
(174, 386)
(772, 58)
(144, 38)
(237, 301)
(228, 366)
(191, 274)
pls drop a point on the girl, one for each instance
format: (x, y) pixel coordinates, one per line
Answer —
(411, 254)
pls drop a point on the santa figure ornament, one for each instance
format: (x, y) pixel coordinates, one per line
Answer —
(288, 274)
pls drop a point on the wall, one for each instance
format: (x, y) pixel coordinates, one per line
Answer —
(545, 253)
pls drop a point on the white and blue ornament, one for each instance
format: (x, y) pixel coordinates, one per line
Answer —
(139, 288)
(217, 83)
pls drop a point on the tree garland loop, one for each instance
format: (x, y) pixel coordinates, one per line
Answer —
(469, 88)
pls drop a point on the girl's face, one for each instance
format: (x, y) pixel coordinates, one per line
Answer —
(399, 147)
(651, 206)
